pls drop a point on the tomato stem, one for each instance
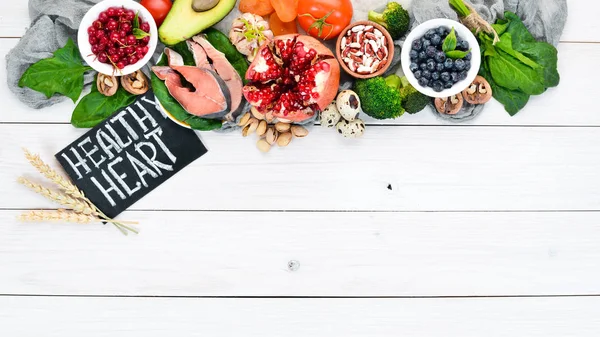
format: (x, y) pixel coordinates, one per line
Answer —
(319, 24)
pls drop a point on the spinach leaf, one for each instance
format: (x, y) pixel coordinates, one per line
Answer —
(221, 42)
(547, 57)
(517, 30)
(174, 108)
(513, 100)
(94, 107)
(62, 73)
(449, 42)
(505, 44)
(510, 73)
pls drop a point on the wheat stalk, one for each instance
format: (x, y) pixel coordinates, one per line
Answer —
(60, 198)
(60, 215)
(71, 190)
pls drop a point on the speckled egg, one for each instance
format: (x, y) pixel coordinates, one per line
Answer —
(353, 129)
(330, 116)
(348, 105)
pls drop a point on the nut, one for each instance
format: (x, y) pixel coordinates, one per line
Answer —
(261, 128)
(284, 139)
(299, 131)
(449, 106)
(245, 130)
(263, 145)
(107, 85)
(271, 135)
(135, 83)
(244, 120)
(256, 114)
(282, 127)
(252, 125)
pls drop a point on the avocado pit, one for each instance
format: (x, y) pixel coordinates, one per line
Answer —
(204, 5)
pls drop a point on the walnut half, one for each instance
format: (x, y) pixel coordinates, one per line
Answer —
(107, 85)
(135, 83)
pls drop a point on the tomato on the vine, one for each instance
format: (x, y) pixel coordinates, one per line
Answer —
(324, 19)
(158, 9)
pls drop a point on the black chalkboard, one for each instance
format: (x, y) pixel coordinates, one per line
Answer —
(128, 155)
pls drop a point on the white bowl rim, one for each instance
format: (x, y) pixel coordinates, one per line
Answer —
(85, 47)
(461, 31)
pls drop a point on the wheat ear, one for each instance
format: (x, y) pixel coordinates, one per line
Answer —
(60, 198)
(61, 215)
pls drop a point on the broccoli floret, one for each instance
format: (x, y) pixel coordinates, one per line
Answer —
(394, 18)
(380, 97)
(412, 100)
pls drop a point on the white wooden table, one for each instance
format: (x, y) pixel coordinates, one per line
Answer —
(421, 228)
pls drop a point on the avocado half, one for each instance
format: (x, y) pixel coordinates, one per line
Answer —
(183, 22)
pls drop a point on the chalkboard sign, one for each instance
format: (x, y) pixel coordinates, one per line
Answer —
(128, 155)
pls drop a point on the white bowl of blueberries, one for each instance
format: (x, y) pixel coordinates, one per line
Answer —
(431, 70)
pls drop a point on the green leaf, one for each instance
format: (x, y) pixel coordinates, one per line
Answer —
(461, 9)
(93, 108)
(547, 57)
(184, 51)
(506, 45)
(517, 30)
(174, 108)
(513, 100)
(62, 73)
(457, 54)
(510, 73)
(449, 42)
(136, 21)
(139, 34)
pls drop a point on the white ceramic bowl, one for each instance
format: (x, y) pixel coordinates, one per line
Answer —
(86, 49)
(461, 31)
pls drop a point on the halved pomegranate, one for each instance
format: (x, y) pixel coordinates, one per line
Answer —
(293, 77)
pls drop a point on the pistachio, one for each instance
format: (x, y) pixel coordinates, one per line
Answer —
(261, 128)
(263, 145)
(245, 119)
(271, 135)
(245, 130)
(299, 131)
(284, 139)
(107, 85)
(282, 127)
(252, 125)
(135, 83)
(256, 114)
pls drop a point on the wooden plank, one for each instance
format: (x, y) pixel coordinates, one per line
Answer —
(581, 25)
(569, 104)
(498, 317)
(391, 168)
(331, 254)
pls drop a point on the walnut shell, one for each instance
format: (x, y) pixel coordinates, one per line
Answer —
(135, 83)
(107, 85)
(479, 92)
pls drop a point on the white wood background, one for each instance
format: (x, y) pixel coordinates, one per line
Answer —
(490, 228)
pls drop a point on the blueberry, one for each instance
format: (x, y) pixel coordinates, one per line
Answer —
(437, 86)
(417, 45)
(431, 51)
(443, 30)
(422, 56)
(423, 66)
(435, 76)
(423, 81)
(426, 43)
(459, 65)
(440, 67)
(414, 55)
(430, 33)
(462, 45)
(427, 74)
(436, 40)
(454, 77)
(417, 74)
(462, 75)
(448, 63)
(445, 76)
(468, 57)
(448, 85)
(440, 56)
(431, 65)
(413, 67)
(467, 65)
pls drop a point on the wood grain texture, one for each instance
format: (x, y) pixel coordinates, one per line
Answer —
(392, 168)
(333, 254)
(116, 317)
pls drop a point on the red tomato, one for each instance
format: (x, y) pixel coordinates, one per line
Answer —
(324, 19)
(158, 8)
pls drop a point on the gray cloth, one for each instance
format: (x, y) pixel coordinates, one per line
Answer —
(545, 19)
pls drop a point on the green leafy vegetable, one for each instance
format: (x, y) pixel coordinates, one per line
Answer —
(171, 104)
(93, 108)
(457, 54)
(62, 73)
(221, 42)
(449, 42)
(139, 34)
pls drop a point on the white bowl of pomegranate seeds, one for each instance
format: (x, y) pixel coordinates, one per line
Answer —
(109, 41)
